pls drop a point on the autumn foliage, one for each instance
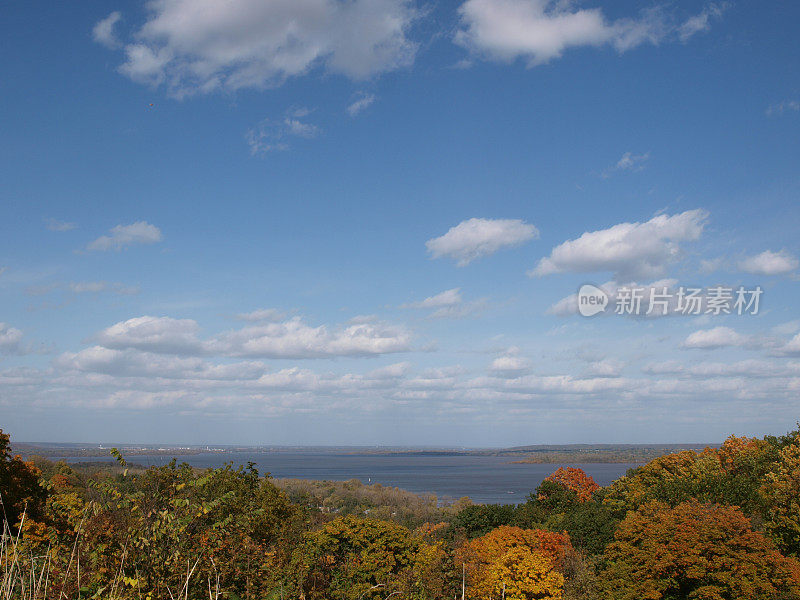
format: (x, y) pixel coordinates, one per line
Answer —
(488, 559)
(781, 492)
(575, 480)
(695, 551)
(721, 524)
(19, 486)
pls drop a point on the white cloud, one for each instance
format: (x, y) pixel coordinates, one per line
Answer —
(122, 236)
(539, 31)
(394, 371)
(787, 328)
(153, 334)
(567, 384)
(717, 337)
(94, 287)
(792, 347)
(628, 162)
(770, 263)
(198, 46)
(710, 265)
(460, 311)
(135, 363)
(630, 250)
(651, 293)
(475, 238)
(510, 366)
(702, 21)
(263, 314)
(295, 339)
(449, 305)
(111, 378)
(271, 135)
(361, 103)
(608, 367)
(750, 368)
(783, 107)
(103, 32)
(10, 339)
(445, 298)
(56, 225)
(287, 339)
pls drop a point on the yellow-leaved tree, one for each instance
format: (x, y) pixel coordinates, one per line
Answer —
(528, 561)
(521, 574)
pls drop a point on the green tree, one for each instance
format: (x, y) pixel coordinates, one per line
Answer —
(478, 519)
(352, 558)
(781, 493)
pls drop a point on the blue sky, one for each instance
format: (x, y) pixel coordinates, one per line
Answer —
(317, 222)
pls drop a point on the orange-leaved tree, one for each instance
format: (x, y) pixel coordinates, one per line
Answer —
(575, 480)
(695, 551)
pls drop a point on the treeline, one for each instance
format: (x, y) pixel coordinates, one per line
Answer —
(598, 456)
(352, 497)
(719, 524)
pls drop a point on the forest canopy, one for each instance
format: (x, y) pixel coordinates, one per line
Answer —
(721, 523)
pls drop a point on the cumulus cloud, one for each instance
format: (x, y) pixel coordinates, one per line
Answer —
(56, 225)
(296, 339)
(199, 46)
(445, 298)
(106, 378)
(607, 367)
(361, 103)
(262, 314)
(449, 305)
(104, 31)
(751, 368)
(539, 31)
(658, 299)
(10, 339)
(475, 238)
(717, 337)
(630, 250)
(792, 347)
(153, 334)
(123, 236)
(292, 338)
(136, 363)
(510, 366)
(770, 263)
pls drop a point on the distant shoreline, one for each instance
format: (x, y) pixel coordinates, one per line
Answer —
(540, 454)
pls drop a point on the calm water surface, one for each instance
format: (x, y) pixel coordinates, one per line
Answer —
(489, 479)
